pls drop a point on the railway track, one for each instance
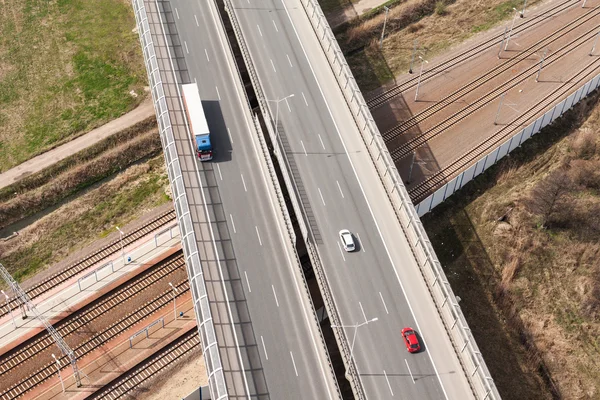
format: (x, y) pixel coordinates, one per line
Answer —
(86, 262)
(385, 97)
(97, 339)
(414, 143)
(452, 98)
(149, 368)
(420, 191)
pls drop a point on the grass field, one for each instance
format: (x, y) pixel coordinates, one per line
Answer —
(528, 275)
(90, 216)
(66, 66)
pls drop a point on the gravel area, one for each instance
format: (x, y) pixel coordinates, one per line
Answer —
(98, 325)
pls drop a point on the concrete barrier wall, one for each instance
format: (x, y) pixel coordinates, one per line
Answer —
(464, 344)
(506, 147)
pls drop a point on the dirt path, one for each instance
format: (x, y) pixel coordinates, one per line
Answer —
(36, 164)
(345, 14)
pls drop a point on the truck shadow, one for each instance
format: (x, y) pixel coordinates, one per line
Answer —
(219, 135)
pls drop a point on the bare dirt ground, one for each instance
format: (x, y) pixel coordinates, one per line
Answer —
(44, 160)
(352, 10)
(181, 380)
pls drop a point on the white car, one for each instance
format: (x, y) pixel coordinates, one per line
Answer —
(347, 240)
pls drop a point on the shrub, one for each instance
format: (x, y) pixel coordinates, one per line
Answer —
(440, 8)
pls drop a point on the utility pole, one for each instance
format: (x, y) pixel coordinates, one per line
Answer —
(121, 234)
(523, 12)
(9, 308)
(355, 326)
(58, 371)
(502, 42)
(277, 113)
(412, 58)
(25, 301)
(174, 304)
(541, 64)
(511, 29)
(594, 46)
(420, 74)
(499, 107)
(412, 164)
(387, 10)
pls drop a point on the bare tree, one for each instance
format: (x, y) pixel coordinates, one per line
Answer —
(549, 195)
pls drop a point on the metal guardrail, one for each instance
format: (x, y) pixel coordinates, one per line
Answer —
(504, 148)
(464, 344)
(206, 329)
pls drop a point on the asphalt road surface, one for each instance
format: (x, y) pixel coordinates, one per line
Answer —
(381, 279)
(287, 335)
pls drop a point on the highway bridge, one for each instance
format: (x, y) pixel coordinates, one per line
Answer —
(258, 326)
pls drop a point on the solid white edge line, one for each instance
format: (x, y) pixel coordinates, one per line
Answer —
(364, 195)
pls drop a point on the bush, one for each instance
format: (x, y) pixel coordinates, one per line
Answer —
(440, 8)
(549, 195)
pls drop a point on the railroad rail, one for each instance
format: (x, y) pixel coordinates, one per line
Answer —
(419, 192)
(100, 338)
(407, 148)
(414, 143)
(151, 367)
(92, 258)
(388, 95)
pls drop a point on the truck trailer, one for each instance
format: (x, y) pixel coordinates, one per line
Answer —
(197, 121)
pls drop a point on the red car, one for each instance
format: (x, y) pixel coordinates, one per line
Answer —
(410, 340)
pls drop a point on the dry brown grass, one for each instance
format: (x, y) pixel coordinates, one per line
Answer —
(544, 280)
(77, 223)
(82, 173)
(417, 20)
